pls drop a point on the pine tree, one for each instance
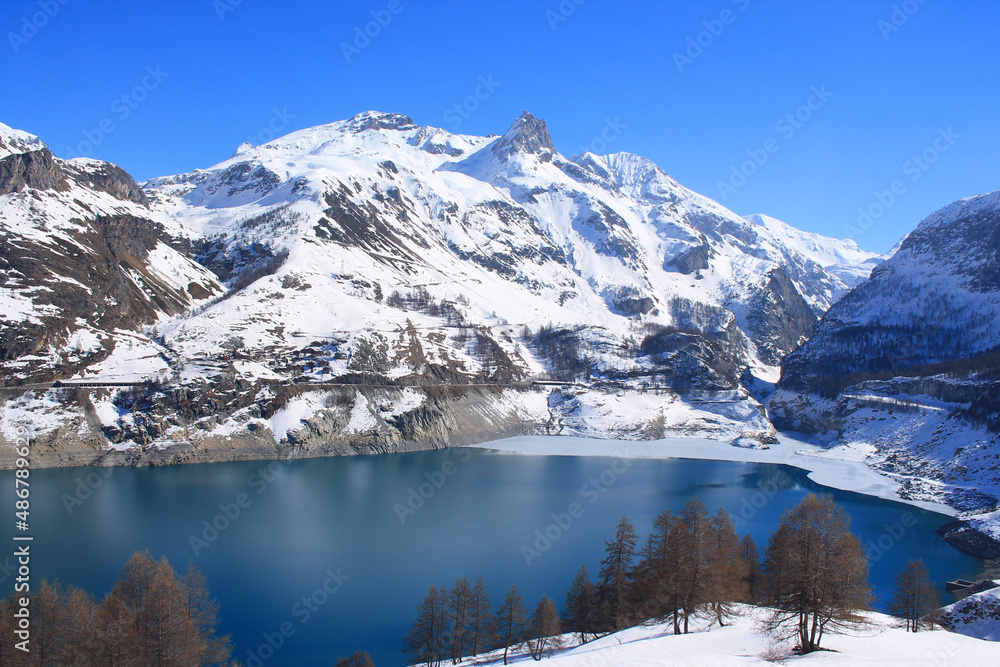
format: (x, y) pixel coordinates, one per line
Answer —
(118, 639)
(172, 638)
(616, 570)
(725, 569)
(132, 589)
(482, 624)
(511, 619)
(426, 641)
(753, 577)
(581, 606)
(460, 603)
(915, 598)
(658, 577)
(81, 645)
(815, 574)
(203, 612)
(358, 659)
(544, 629)
(48, 618)
(694, 537)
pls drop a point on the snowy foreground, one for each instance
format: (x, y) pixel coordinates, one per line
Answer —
(739, 644)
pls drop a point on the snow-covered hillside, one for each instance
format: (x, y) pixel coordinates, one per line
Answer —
(936, 299)
(503, 229)
(654, 645)
(904, 372)
(840, 257)
(13, 141)
(369, 259)
(977, 615)
(85, 263)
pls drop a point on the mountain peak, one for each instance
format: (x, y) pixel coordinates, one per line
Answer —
(17, 141)
(242, 148)
(378, 120)
(527, 135)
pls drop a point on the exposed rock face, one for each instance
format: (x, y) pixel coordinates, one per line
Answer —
(779, 319)
(527, 135)
(376, 253)
(82, 258)
(107, 283)
(694, 259)
(35, 169)
(377, 120)
(106, 177)
(964, 537)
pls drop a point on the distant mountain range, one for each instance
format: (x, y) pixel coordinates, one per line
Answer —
(372, 285)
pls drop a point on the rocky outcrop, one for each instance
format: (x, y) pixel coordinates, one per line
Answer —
(937, 300)
(778, 318)
(35, 169)
(105, 281)
(106, 177)
(527, 135)
(694, 259)
(964, 537)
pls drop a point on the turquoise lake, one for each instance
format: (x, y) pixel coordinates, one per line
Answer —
(362, 538)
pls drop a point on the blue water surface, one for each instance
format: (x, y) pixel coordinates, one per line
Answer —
(338, 552)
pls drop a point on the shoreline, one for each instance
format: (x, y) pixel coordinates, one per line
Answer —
(792, 449)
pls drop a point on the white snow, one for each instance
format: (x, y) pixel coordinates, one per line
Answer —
(13, 142)
(296, 411)
(977, 615)
(842, 257)
(655, 645)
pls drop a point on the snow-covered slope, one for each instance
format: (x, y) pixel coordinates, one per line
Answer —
(85, 262)
(654, 645)
(936, 299)
(904, 372)
(375, 205)
(977, 615)
(841, 258)
(14, 141)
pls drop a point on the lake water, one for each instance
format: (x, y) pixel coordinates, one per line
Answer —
(346, 524)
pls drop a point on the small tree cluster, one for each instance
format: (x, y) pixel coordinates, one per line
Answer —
(452, 624)
(693, 564)
(152, 616)
(813, 581)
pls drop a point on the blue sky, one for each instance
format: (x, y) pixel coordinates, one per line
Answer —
(806, 111)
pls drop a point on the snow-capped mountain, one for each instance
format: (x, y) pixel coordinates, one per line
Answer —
(841, 258)
(84, 261)
(903, 371)
(373, 252)
(507, 224)
(937, 299)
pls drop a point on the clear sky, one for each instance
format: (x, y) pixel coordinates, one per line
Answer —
(698, 87)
